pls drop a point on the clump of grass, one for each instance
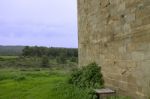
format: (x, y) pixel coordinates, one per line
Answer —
(2, 77)
(30, 69)
(37, 69)
(2, 59)
(23, 69)
(19, 78)
(67, 91)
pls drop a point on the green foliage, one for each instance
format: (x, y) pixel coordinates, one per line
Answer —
(34, 62)
(61, 60)
(43, 84)
(2, 59)
(12, 76)
(66, 91)
(11, 50)
(19, 78)
(74, 59)
(8, 58)
(45, 61)
(87, 77)
(26, 51)
(33, 57)
(50, 52)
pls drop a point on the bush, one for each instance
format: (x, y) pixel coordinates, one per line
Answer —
(2, 59)
(45, 61)
(2, 77)
(23, 69)
(74, 59)
(61, 60)
(19, 78)
(89, 76)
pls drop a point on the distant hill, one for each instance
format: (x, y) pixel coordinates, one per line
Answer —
(10, 50)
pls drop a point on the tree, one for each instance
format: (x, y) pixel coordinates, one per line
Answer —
(26, 51)
(45, 61)
(74, 59)
(61, 59)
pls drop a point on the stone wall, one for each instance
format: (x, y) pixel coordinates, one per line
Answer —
(116, 35)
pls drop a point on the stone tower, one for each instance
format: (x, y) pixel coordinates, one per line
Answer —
(116, 35)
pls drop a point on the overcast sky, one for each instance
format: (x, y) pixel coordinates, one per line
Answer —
(51, 23)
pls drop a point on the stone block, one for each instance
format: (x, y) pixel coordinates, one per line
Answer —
(137, 56)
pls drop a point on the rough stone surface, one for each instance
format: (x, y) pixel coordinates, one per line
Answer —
(116, 35)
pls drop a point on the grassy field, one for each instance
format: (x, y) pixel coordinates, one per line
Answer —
(8, 57)
(38, 84)
(44, 84)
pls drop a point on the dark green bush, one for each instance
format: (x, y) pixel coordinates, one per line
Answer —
(45, 62)
(19, 78)
(2, 59)
(23, 69)
(61, 60)
(74, 59)
(36, 69)
(89, 76)
(2, 77)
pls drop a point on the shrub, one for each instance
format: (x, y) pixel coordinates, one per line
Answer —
(19, 78)
(2, 77)
(2, 59)
(45, 61)
(89, 76)
(74, 59)
(23, 69)
(61, 60)
(36, 69)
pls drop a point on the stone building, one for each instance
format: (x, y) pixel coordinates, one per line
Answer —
(116, 35)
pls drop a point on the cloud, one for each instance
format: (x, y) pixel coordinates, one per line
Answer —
(38, 22)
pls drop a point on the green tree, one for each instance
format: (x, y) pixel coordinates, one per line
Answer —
(26, 51)
(74, 59)
(45, 62)
(61, 59)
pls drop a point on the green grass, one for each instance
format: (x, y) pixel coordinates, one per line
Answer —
(38, 84)
(8, 58)
(42, 84)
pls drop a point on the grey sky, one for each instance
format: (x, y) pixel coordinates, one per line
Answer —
(38, 22)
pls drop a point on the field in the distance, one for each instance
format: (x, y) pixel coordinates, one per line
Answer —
(8, 57)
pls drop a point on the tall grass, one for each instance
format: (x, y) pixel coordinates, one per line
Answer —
(43, 84)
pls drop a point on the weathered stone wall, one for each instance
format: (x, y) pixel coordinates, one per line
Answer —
(116, 35)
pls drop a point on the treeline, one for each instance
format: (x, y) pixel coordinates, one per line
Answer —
(11, 50)
(50, 52)
(61, 55)
(34, 56)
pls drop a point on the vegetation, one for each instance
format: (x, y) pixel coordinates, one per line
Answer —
(87, 77)
(11, 50)
(40, 84)
(45, 73)
(36, 57)
(33, 62)
(50, 52)
(45, 62)
(61, 54)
